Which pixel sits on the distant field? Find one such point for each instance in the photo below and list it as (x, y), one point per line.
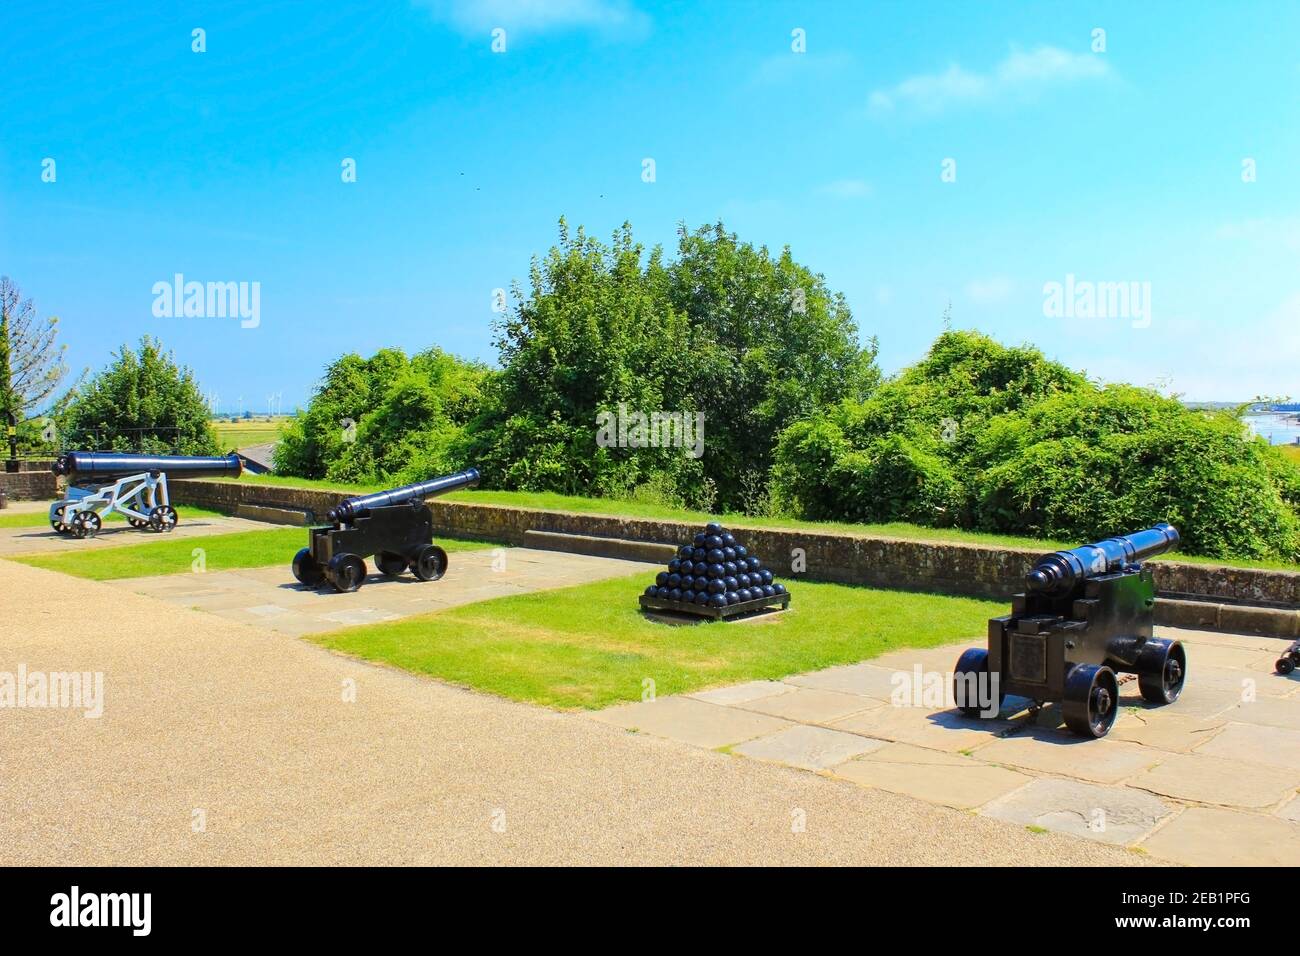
(1292, 452)
(245, 432)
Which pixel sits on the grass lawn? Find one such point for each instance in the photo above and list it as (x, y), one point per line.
(242, 433)
(222, 552)
(40, 519)
(638, 509)
(1292, 452)
(589, 646)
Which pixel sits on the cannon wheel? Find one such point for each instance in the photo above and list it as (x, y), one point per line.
(1285, 665)
(86, 524)
(1091, 700)
(974, 661)
(57, 521)
(346, 572)
(306, 569)
(390, 564)
(1162, 669)
(163, 518)
(429, 562)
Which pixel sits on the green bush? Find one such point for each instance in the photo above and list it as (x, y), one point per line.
(386, 418)
(142, 402)
(998, 439)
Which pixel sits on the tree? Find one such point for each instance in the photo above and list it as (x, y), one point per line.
(31, 360)
(749, 340)
(386, 418)
(769, 343)
(142, 402)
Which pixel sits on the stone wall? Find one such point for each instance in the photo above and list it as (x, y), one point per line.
(30, 485)
(943, 566)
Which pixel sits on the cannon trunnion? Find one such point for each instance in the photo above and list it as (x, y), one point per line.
(395, 526)
(1086, 615)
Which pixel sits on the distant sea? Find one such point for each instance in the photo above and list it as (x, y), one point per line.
(1276, 429)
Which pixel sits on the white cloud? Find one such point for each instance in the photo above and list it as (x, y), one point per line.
(482, 16)
(1019, 75)
(990, 291)
(847, 189)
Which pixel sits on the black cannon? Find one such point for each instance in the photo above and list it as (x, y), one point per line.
(135, 486)
(1086, 614)
(1290, 657)
(396, 526)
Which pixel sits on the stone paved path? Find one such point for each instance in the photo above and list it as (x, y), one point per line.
(1211, 779)
(226, 743)
(45, 539)
(271, 598)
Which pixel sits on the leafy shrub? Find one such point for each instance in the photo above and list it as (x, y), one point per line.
(142, 402)
(1003, 440)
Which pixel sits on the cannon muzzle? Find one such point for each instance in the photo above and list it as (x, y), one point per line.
(1059, 572)
(104, 465)
(354, 508)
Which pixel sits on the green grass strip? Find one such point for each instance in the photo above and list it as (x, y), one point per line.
(590, 646)
(219, 552)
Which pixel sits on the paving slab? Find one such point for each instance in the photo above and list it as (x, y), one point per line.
(1120, 815)
(1220, 639)
(743, 693)
(1221, 655)
(690, 721)
(45, 540)
(942, 659)
(1242, 682)
(1201, 778)
(807, 705)
(809, 748)
(1062, 753)
(1267, 664)
(1256, 743)
(243, 594)
(946, 730)
(1198, 699)
(1271, 711)
(947, 779)
(1162, 729)
(865, 680)
(1209, 836)
(1291, 810)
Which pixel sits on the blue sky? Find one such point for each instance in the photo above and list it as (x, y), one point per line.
(1117, 166)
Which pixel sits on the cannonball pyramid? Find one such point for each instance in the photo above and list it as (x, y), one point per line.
(715, 576)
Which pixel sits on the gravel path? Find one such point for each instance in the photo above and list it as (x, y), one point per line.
(244, 734)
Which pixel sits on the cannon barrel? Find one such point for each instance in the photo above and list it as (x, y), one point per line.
(354, 508)
(105, 464)
(1060, 571)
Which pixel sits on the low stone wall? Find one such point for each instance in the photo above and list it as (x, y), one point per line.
(943, 566)
(29, 485)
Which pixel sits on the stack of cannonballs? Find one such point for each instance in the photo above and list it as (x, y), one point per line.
(714, 575)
